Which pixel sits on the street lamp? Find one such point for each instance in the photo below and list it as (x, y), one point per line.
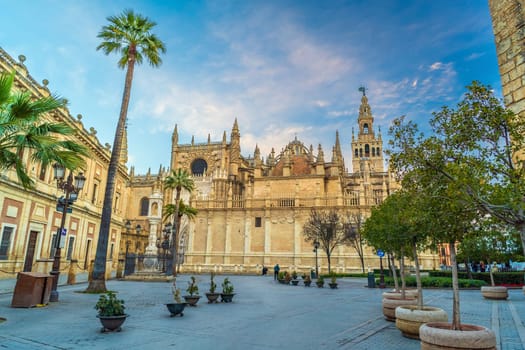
(165, 245)
(71, 191)
(316, 246)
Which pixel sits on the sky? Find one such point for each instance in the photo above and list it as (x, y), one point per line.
(283, 68)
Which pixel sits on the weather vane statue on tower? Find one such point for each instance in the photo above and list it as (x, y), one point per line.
(363, 89)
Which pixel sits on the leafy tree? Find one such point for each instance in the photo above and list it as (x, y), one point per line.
(22, 127)
(465, 167)
(325, 227)
(128, 35)
(179, 179)
(353, 226)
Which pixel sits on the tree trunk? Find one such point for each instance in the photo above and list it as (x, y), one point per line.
(418, 277)
(402, 273)
(175, 240)
(521, 229)
(392, 264)
(328, 259)
(361, 257)
(98, 280)
(469, 271)
(456, 321)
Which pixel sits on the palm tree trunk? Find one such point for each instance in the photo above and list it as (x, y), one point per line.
(456, 321)
(98, 280)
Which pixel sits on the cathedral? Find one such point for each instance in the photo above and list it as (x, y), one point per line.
(251, 208)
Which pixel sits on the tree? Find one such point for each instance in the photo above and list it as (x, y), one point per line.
(466, 169)
(184, 210)
(325, 227)
(22, 127)
(179, 179)
(353, 225)
(129, 35)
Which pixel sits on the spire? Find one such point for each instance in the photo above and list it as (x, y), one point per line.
(235, 127)
(175, 136)
(192, 140)
(209, 139)
(320, 154)
(224, 137)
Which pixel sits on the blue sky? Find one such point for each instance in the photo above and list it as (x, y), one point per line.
(283, 68)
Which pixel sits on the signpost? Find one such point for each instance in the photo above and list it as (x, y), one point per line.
(381, 254)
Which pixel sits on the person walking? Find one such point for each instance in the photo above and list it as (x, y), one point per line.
(276, 269)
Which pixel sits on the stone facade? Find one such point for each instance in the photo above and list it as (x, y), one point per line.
(508, 22)
(28, 218)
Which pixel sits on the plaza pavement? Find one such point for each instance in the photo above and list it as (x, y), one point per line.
(263, 315)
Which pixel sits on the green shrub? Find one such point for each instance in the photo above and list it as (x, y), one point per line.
(499, 277)
(437, 282)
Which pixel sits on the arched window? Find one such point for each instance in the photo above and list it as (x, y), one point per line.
(365, 128)
(199, 166)
(360, 152)
(373, 152)
(367, 150)
(378, 152)
(144, 206)
(356, 152)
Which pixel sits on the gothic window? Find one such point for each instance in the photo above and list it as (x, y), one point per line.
(356, 152)
(144, 206)
(367, 150)
(365, 128)
(373, 152)
(360, 152)
(5, 241)
(258, 221)
(378, 196)
(378, 152)
(199, 166)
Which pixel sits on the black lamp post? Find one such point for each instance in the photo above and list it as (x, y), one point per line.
(165, 245)
(316, 247)
(71, 191)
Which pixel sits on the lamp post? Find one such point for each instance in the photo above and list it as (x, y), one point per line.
(381, 254)
(71, 191)
(167, 246)
(316, 246)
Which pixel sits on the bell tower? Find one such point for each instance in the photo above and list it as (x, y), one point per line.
(367, 147)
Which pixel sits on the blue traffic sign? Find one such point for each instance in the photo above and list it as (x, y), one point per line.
(380, 253)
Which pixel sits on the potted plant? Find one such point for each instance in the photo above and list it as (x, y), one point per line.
(295, 281)
(280, 277)
(110, 312)
(320, 282)
(227, 291)
(178, 306)
(212, 295)
(307, 280)
(333, 281)
(287, 277)
(193, 292)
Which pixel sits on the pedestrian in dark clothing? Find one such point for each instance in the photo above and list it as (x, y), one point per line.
(276, 269)
(264, 270)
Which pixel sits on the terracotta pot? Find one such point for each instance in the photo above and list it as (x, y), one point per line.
(438, 335)
(409, 294)
(111, 323)
(192, 300)
(494, 292)
(213, 297)
(389, 307)
(409, 318)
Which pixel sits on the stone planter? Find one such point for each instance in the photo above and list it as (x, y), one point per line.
(333, 285)
(295, 282)
(307, 284)
(438, 335)
(409, 318)
(389, 307)
(494, 292)
(111, 323)
(409, 294)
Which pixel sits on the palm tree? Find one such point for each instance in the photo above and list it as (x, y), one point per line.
(22, 127)
(184, 210)
(179, 179)
(128, 35)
